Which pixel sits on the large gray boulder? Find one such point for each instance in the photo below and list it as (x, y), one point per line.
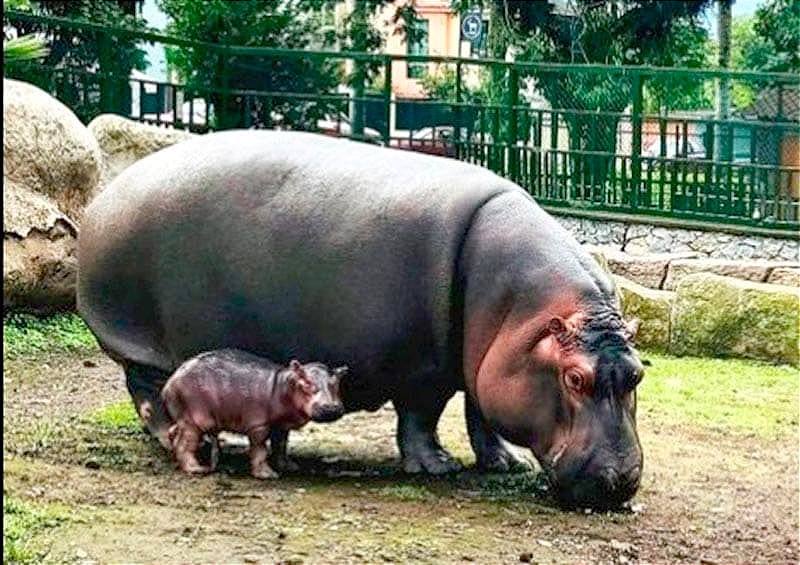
(756, 271)
(51, 169)
(123, 142)
(648, 270)
(652, 307)
(718, 316)
(46, 148)
(788, 276)
(39, 251)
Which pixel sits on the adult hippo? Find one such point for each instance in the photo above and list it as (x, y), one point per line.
(424, 275)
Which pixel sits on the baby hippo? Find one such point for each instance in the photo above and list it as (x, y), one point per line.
(233, 391)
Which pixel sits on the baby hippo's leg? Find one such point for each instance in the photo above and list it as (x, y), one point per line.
(259, 467)
(186, 441)
(278, 457)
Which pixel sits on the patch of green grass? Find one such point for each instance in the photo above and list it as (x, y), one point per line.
(745, 396)
(26, 334)
(407, 492)
(118, 417)
(23, 523)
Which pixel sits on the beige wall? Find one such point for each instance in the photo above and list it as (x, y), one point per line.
(443, 36)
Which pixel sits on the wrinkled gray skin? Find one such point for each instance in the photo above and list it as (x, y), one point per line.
(424, 275)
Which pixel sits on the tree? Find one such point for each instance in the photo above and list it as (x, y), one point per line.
(622, 32)
(87, 71)
(293, 24)
(778, 50)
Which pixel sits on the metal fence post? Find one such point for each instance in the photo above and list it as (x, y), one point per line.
(458, 129)
(387, 99)
(358, 99)
(513, 100)
(106, 79)
(224, 73)
(636, 141)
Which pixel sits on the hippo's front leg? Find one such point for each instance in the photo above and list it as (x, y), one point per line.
(491, 454)
(417, 438)
(259, 467)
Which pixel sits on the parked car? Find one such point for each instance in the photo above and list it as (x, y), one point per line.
(339, 125)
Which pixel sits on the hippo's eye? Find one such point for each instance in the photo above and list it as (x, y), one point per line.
(574, 381)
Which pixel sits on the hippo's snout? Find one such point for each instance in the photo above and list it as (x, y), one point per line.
(603, 489)
(327, 412)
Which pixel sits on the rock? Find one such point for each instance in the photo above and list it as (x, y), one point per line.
(788, 276)
(648, 270)
(652, 307)
(720, 316)
(39, 251)
(123, 142)
(47, 149)
(756, 271)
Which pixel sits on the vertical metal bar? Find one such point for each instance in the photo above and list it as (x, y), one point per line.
(497, 159)
(636, 141)
(222, 112)
(106, 82)
(458, 129)
(513, 100)
(387, 99)
(174, 106)
(141, 101)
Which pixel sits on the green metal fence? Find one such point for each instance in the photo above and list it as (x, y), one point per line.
(589, 140)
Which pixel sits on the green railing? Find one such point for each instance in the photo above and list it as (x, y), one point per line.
(589, 140)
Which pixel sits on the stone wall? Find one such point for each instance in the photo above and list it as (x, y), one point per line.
(644, 238)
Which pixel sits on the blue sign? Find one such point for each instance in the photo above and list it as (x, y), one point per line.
(472, 26)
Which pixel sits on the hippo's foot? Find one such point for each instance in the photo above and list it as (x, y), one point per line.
(144, 385)
(432, 461)
(419, 444)
(491, 453)
(278, 459)
(263, 471)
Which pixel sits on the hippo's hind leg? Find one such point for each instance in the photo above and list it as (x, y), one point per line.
(144, 385)
(491, 453)
(417, 438)
(186, 443)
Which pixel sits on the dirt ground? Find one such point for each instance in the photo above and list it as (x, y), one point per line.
(708, 496)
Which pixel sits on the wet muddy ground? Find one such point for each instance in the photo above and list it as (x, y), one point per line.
(83, 483)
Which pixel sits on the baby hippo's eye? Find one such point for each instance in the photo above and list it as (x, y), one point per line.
(574, 381)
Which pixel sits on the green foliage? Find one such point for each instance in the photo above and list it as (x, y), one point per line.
(81, 55)
(776, 24)
(25, 334)
(295, 24)
(22, 523)
(25, 48)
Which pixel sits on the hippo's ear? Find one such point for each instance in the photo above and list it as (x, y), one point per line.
(557, 326)
(298, 370)
(631, 328)
(339, 372)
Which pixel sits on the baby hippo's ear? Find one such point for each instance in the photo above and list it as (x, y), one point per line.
(339, 372)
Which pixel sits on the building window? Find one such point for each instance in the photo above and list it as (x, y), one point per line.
(418, 47)
(477, 48)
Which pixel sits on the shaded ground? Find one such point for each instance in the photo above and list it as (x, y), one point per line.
(82, 483)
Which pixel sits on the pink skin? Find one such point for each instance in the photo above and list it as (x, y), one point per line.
(531, 382)
(283, 400)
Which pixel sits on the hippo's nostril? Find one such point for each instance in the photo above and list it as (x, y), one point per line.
(610, 479)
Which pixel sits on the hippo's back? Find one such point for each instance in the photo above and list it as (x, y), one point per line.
(283, 244)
